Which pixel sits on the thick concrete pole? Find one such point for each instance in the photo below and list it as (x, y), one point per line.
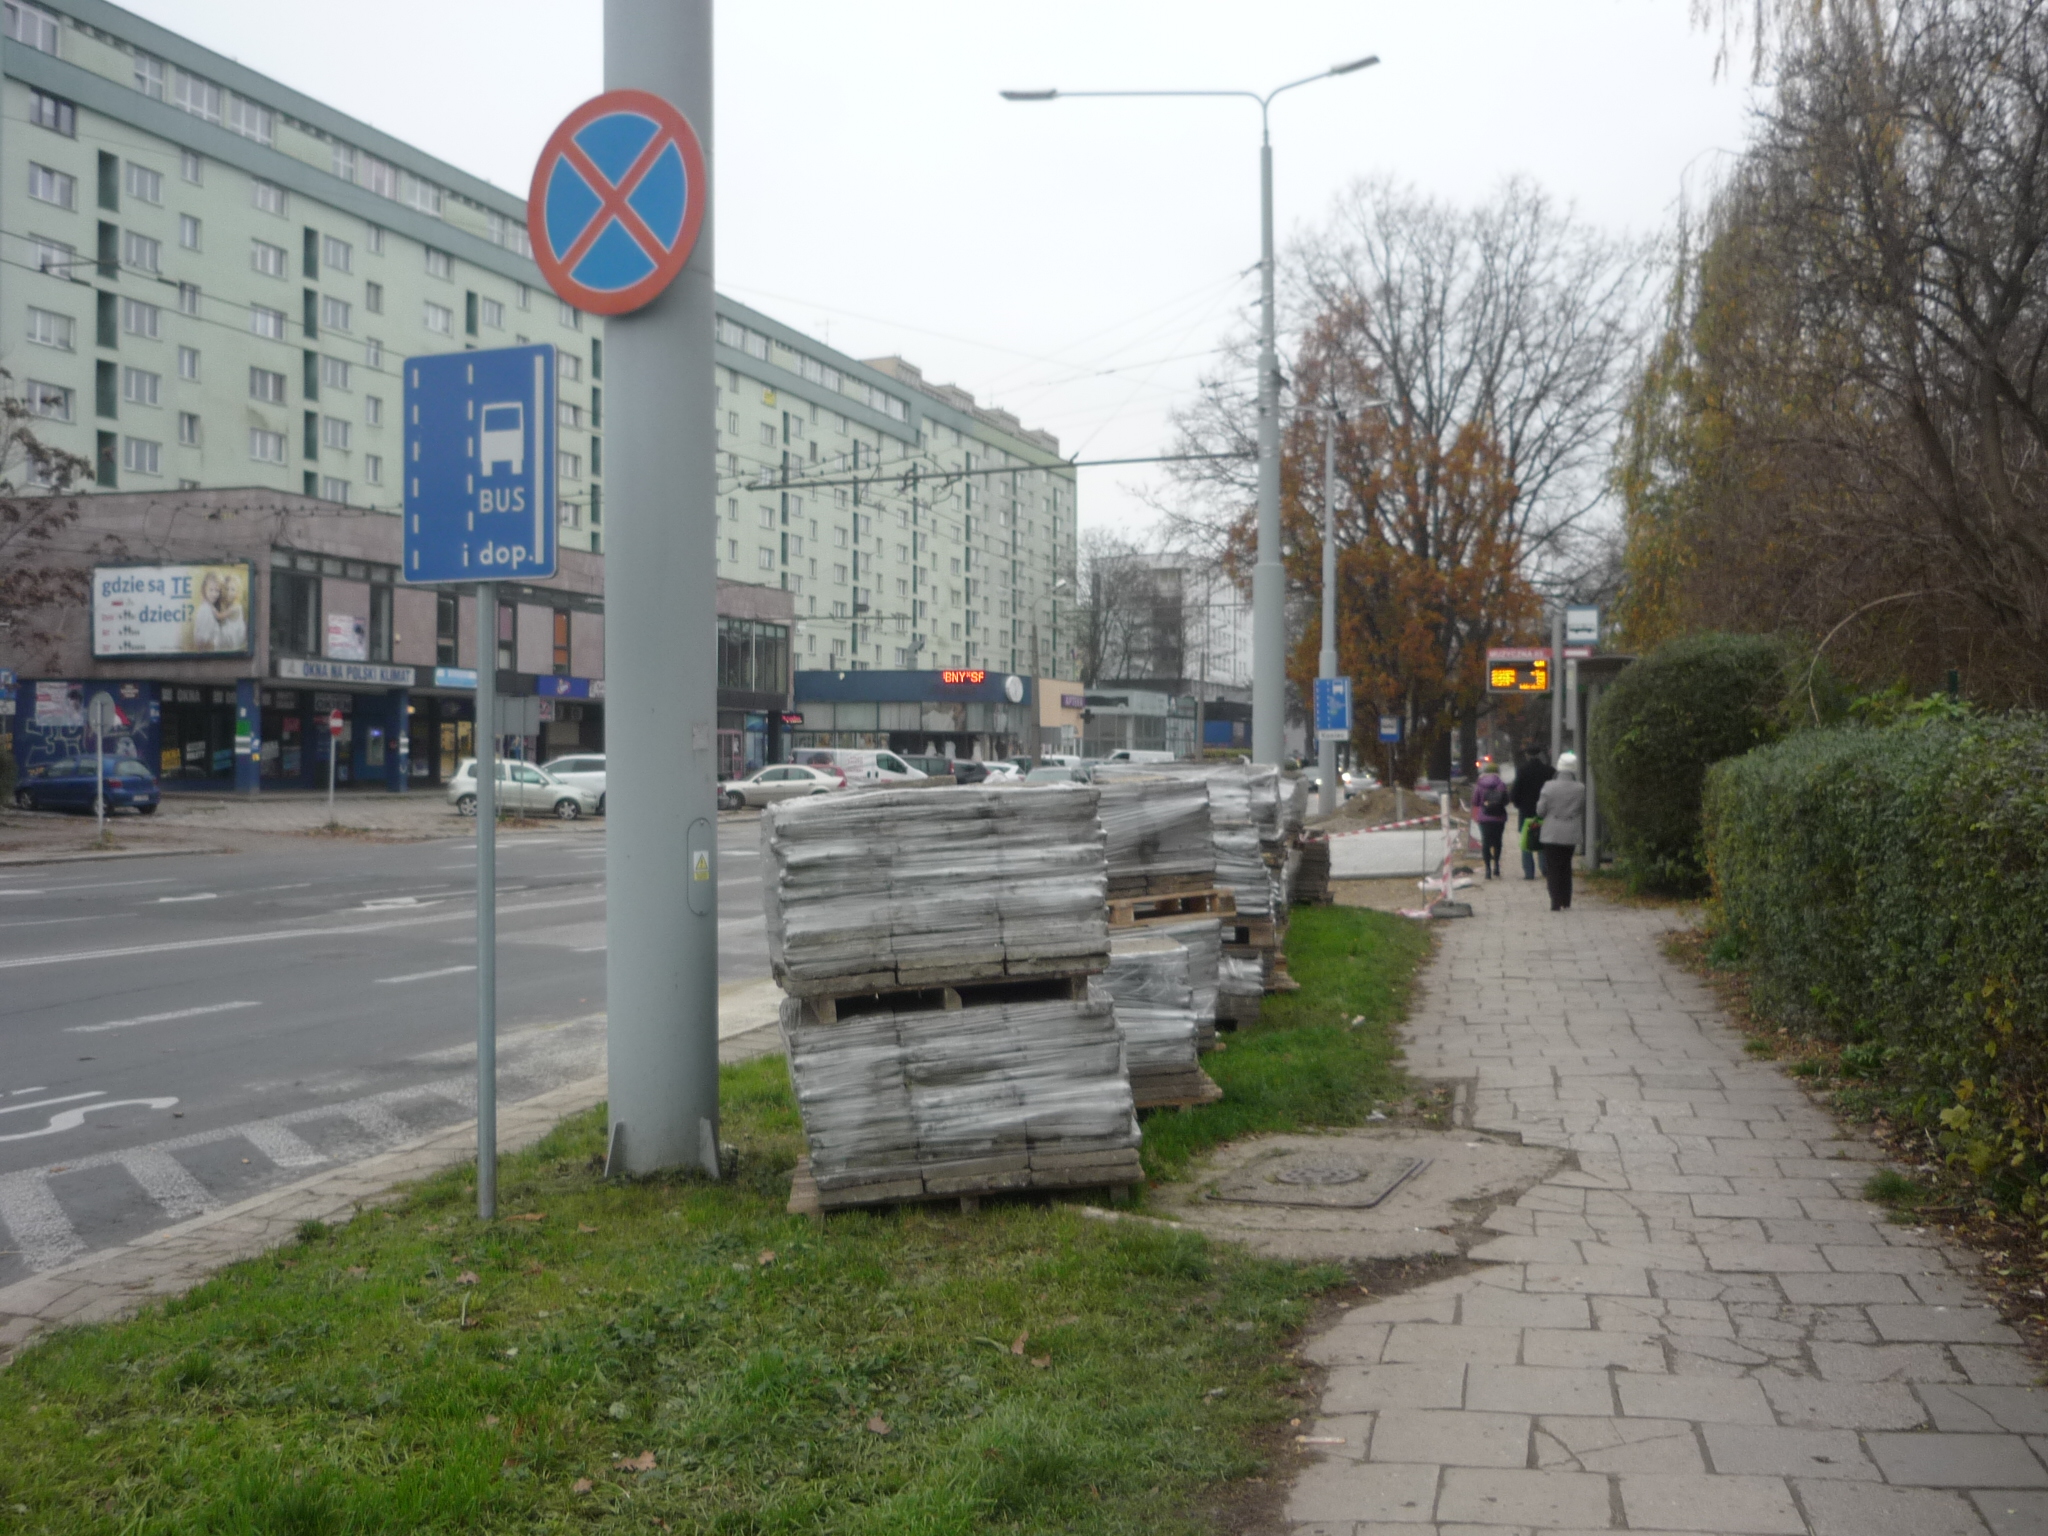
(661, 645)
(1269, 581)
(1326, 747)
(1556, 684)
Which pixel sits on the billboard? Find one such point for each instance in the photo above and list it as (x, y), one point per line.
(172, 610)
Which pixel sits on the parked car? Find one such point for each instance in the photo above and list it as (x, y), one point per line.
(585, 770)
(861, 765)
(523, 790)
(1003, 770)
(71, 785)
(931, 764)
(1140, 755)
(780, 781)
(1057, 774)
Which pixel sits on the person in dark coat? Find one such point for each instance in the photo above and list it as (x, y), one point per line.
(1490, 811)
(1562, 810)
(1530, 777)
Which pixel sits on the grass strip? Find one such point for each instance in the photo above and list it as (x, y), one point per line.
(667, 1353)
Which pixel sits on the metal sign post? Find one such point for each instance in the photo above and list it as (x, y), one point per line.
(334, 729)
(486, 732)
(1333, 724)
(620, 216)
(104, 717)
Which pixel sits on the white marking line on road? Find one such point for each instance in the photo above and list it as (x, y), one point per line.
(156, 1018)
(303, 885)
(195, 896)
(166, 1181)
(100, 885)
(17, 1093)
(44, 922)
(69, 1098)
(281, 1146)
(446, 970)
(72, 1119)
(24, 893)
(36, 1222)
(592, 949)
(270, 935)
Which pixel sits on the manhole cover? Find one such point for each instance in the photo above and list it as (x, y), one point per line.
(1351, 1183)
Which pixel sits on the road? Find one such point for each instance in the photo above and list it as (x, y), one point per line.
(179, 1033)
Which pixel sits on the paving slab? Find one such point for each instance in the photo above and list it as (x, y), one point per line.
(1692, 1322)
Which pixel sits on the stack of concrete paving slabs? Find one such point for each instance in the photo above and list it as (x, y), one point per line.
(905, 889)
(1158, 834)
(1311, 883)
(1202, 937)
(1147, 980)
(910, 1105)
(1240, 983)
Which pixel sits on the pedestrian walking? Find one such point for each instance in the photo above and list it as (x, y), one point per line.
(1561, 807)
(1490, 810)
(1535, 772)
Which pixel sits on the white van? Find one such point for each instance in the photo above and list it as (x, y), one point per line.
(1139, 755)
(860, 765)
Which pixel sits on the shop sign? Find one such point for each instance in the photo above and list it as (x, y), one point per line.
(455, 677)
(569, 687)
(345, 672)
(171, 610)
(1073, 701)
(792, 717)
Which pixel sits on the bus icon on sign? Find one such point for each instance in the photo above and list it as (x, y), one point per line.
(503, 440)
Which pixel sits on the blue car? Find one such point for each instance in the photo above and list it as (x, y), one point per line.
(69, 785)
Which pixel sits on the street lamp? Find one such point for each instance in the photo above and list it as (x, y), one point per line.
(1269, 581)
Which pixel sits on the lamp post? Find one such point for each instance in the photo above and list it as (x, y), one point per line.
(1269, 581)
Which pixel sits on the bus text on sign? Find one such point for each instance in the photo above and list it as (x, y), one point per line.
(1518, 669)
(976, 675)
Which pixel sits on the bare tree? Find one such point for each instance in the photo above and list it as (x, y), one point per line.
(1131, 611)
(36, 510)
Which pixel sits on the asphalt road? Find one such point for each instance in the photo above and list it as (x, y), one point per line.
(179, 1033)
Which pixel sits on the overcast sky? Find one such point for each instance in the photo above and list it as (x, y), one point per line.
(1075, 262)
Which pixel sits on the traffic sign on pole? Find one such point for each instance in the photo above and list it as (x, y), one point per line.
(480, 465)
(334, 723)
(1390, 730)
(1333, 707)
(617, 200)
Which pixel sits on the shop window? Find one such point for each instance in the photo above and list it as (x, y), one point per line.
(294, 614)
(447, 613)
(561, 643)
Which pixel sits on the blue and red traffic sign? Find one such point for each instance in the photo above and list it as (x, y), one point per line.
(617, 200)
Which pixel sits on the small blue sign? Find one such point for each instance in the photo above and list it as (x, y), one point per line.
(480, 465)
(1390, 730)
(1333, 706)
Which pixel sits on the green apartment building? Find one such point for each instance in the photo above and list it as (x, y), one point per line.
(210, 281)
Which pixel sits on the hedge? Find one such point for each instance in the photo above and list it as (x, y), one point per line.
(1889, 889)
(1659, 726)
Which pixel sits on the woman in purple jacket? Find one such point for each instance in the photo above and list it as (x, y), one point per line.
(1490, 810)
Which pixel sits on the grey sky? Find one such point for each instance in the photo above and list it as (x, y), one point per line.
(1076, 262)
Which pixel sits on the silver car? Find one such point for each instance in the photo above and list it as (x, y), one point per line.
(583, 769)
(782, 781)
(523, 790)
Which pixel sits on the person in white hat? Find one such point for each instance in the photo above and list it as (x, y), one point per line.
(1562, 807)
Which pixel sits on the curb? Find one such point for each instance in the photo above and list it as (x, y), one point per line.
(18, 860)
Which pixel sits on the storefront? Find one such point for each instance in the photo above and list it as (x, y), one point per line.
(964, 713)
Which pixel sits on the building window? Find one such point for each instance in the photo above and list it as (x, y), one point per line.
(140, 387)
(338, 254)
(32, 25)
(373, 298)
(765, 558)
(767, 517)
(332, 489)
(250, 120)
(50, 401)
(266, 386)
(266, 322)
(333, 373)
(561, 657)
(53, 113)
(373, 353)
(493, 314)
(572, 317)
(334, 433)
(380, 593)
(188, 429)
(373, 239)
(190, 166)
(141, 456)
(373, 468)
(48, 186)
(335, 313)
(142, 253)
(571, 413)
(732, 550)
(144, 184)
(52, 256)
(140, 319)
(266, 447)
(294, 611)
(268, 196)
(270, 260)
(507, 629)
(447, 622)
(51, 330)
(188, 298)
(440, 319)
(373, 410)
(525, 297)
(188, 232)
(568, 466)
(569, 366)
(439, 263)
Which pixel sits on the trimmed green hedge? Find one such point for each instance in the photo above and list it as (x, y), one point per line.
(1889, 889)
(1660, 725)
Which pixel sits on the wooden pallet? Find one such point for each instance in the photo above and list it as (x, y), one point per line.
(1136, 911)
(1232, 1010)
(1208, 1091)
(1253, 932)
(1159, 885)
(805, 1198)
(948, 997)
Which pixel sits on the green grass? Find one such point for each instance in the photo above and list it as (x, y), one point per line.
(1888, 1187)
(1024, 1368)
(1303, 1064)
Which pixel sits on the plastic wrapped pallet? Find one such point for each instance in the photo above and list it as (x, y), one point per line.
(922, 888)
(1147, 980)
(909, 1105)
(1239, 795)
(1201, 935)
(1157, 831)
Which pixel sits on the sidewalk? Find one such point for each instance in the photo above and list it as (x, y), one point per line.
(1702, 1328)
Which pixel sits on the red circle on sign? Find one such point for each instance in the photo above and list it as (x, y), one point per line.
(671, 127)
